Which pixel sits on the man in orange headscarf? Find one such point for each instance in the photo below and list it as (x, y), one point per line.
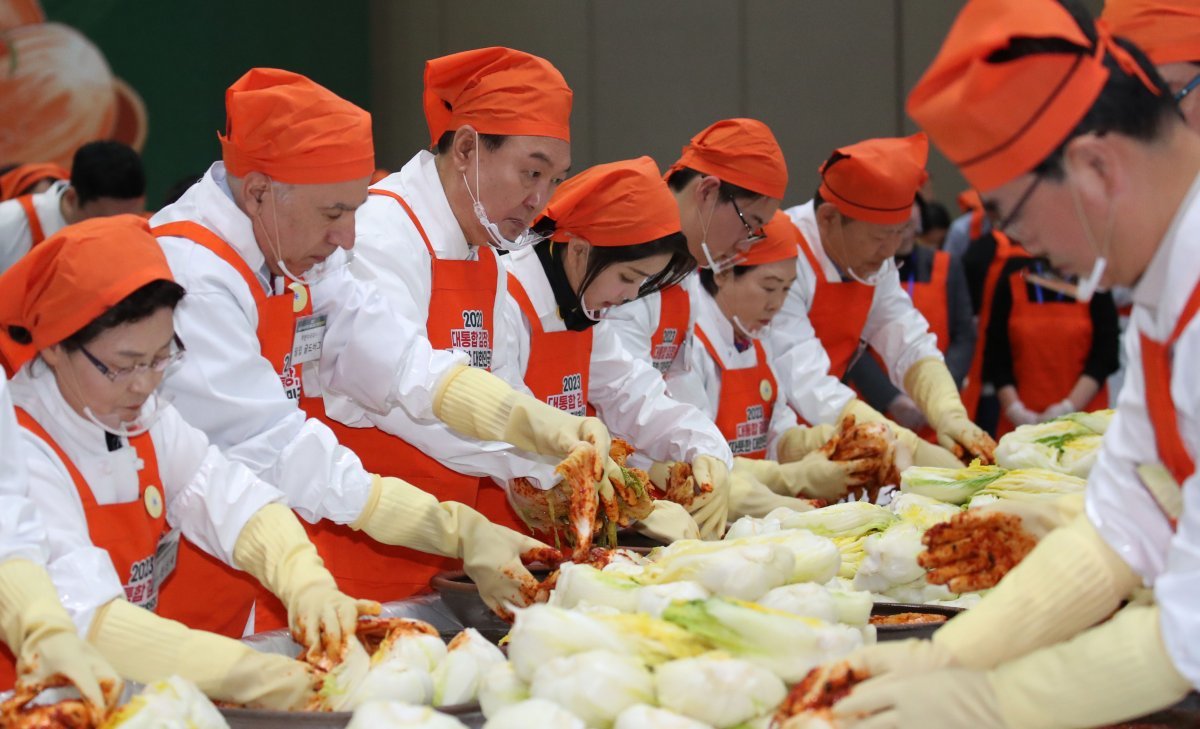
(848, 291)
(1168, 31)
(1078, 151)
(261, 244)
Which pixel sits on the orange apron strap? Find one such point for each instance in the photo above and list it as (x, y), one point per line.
(941, 269)
(411, 216)
(1156, 365)
(522, 298)
(812, 257)
(976, 226)
(712, 351)
(37, 233)
(27, 422)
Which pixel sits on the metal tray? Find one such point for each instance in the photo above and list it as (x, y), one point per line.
(468, 714)
(904, 632)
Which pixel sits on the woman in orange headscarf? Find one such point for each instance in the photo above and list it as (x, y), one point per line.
(87, 325)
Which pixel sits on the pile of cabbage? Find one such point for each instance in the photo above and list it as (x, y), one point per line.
(1068, 445)
(716, 662)
(411, 667)
(978, 485)
(168, 703)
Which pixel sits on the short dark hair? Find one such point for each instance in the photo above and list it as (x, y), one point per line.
(708, 279)
(141, 304)
(491, 141)
(679, 179)
(107, 169)
(934, 215)
(1125, 105)
(601, 257)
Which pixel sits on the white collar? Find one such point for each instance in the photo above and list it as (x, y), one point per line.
(421, 187)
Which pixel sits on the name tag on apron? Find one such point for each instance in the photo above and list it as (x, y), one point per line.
(309, 336)
(165, 557)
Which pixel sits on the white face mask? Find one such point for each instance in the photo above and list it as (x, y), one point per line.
(1088, 287)
(760, 333)
(317, 273)
(524, 240)
(150, 413)
(869, 280)
(712, 264)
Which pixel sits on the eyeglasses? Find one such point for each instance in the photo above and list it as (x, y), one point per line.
(1006, 225)
(752, 235)
(125, 374)
(1191, 85)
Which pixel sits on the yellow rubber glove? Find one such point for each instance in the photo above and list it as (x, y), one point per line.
(750, 497)
(947, 699)
(146, 648)
(400, 513)
(1114, 672)
(932, 388)
(275, 549)
(801, 440)
(711, 510)
(41, 635)
(668, 522)
(1070, 581)
(483, 406)
(923, 452)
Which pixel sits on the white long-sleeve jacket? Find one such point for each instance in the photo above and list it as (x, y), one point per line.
(699, 384)
(629, 394)
(228, 390)
(894, 328)
(207, 497)
(22, 534)
(16, 235)
(391, 255)
(1118, 506)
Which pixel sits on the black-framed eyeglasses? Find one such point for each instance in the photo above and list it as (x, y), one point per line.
(1005, 225)
(1191, 86)
(124, 374)
(752, 235)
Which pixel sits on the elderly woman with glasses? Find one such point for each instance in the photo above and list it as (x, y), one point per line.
(86, 326)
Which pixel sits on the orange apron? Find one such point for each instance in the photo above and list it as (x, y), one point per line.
(131, 532)
(838, 314)
(208, 594)
(1157, 360)
(675, 309)
(932, 298)
(36, 231)
(461, 307)
(1050, 342)
(747, 401)
(1006, 249)
(975, 229)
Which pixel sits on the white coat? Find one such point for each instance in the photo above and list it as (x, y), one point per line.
(16, 236)
(228, 390)
(207, 497)
(638, 320)
(894, 328)
(628, 393)
(700, 383)
(1125, 514)
(391, 255)
(22, 534)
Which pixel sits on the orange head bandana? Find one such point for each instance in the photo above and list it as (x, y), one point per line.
(615, 204)
(73, 277)
(876, 181)
(295, 130)
(968, 200)
(16, 181)
(1168, 31)
(999, 120)
(782, 242)
(497, 91)
(742, 152)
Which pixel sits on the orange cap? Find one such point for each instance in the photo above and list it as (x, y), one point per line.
(969, 200)
(615, 204)
(782, 242)
(999, 120)
(1168, 31)
(876, 181)
(16, 181)
(295, 130)
(742, 152)
(497, 91)
(73, 277)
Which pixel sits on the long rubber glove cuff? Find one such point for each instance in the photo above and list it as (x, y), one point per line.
(749, 497)
(767, 473)
(798, 442)
(931, 386)
(1069, 582)
(1107, 675)
(275, 549)
(668, 522)
(146, 648)
(924, 452)
(399, 513)
(29, 605)
(486, 407)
